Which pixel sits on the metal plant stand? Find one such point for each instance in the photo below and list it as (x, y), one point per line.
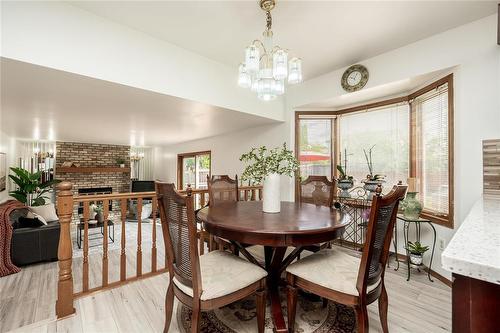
(358, 207)
(407, 222)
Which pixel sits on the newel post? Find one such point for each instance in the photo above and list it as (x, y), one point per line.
(64, 303)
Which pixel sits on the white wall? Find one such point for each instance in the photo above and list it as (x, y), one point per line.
(225, 152)
(7, 146)
(61, 36)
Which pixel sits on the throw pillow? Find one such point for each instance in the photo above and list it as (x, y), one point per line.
(47, 212)
(25, 222)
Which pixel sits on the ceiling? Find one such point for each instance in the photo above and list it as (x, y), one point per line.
(46, 104)
(327, 35)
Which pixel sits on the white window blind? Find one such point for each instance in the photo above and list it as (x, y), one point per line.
(431, 134)
(386, 129)
(315, 143)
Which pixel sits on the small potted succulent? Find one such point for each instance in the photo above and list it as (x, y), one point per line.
(121, 162)
(416, 251)
(99, 216)
(372, 180)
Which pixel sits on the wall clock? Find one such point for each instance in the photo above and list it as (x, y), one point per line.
(354, 78)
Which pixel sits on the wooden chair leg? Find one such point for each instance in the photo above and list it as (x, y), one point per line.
(325, 302)
(196, 317)
(291, 301)
(382, 309)
(261, 309)
(362, 318)
(169, 305)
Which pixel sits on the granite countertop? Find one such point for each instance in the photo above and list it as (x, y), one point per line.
(474, 250)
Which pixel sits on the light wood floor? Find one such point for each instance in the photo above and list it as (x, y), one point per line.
(27, 301)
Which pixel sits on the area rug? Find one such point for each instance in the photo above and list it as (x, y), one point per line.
(240, 317)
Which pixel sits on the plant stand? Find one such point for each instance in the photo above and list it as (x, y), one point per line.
(407, 222)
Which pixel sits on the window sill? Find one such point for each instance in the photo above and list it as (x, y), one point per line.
(445, 221)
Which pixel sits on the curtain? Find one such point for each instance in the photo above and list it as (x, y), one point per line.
(142, 163)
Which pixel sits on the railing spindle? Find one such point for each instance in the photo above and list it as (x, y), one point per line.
(253, 195)
(105, 204)
(245, 194)
(123, 255)
(64, 303)
(202, 200)
(85, 279)
(153, 246)
(260, 193)
(139, 237)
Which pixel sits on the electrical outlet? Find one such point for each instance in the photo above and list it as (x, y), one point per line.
(442, 244)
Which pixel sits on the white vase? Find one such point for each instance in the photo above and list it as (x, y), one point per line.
(272, 200)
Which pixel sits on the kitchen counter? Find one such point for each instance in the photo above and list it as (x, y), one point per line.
(474, 250)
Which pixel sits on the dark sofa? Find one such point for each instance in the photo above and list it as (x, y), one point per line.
(32, 245)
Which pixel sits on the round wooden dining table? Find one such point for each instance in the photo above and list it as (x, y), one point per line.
(296, 225)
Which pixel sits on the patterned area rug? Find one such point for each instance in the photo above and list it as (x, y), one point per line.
(240, 317)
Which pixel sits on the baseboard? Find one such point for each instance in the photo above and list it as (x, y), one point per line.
(402, 257)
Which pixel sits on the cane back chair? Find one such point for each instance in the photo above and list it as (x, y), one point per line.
(202, 282)
(346, 279)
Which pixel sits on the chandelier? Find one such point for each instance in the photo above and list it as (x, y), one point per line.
(266, 66)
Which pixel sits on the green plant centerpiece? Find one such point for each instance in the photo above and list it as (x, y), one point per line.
(264, 166)
(416, 251)
(31, 191)
(372, 180)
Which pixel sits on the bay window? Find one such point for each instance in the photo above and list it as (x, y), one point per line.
(411, 136)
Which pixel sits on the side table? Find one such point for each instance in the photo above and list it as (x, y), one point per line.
(407, 222)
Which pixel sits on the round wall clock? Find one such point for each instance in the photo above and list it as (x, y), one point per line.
(354, 78)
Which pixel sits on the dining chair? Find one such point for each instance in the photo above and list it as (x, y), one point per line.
(202, 282)
(317, 190)
(346, 279)
(222, 188)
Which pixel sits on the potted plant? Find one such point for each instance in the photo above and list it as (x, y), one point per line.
(416, 252)
(31, 191)
(345, 182)
(121, 162)
(99, 216)
(265, 167)
(372, 180)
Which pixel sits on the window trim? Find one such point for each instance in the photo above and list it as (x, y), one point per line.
(181, 156)
(444, 220)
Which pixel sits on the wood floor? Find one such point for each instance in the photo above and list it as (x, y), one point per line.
(27, 301)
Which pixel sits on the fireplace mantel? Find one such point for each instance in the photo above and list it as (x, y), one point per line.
(92, 169)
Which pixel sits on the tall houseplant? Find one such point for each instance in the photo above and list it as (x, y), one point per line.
(264, 166)
(31, 191)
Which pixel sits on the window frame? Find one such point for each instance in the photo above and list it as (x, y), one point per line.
(180, 158)
(442, 219)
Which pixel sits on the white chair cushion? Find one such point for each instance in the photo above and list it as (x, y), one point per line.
(332, 269)
(223, 273)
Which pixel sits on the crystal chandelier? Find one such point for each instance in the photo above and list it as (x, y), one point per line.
(266, 66)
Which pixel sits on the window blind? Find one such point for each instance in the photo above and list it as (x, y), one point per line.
(431, 135)
(386, 129)
(315, 147)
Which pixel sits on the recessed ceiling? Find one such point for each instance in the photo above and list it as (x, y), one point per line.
(46, 104)
(327, 35)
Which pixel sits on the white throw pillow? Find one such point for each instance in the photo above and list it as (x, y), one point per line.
(147, 209)
(47, 212)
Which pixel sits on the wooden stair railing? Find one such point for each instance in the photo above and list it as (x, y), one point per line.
(65, 204)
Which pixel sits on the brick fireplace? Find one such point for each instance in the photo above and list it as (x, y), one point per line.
(91, 155)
